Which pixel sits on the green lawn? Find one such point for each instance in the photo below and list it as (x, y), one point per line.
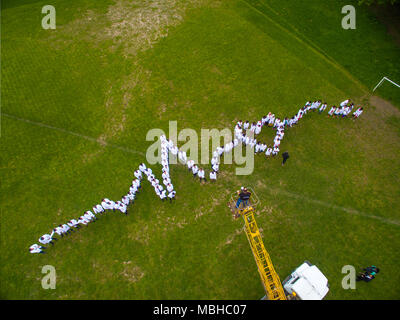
(205, 64)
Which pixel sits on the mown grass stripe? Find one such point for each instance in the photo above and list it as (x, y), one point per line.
(332, 206)
(102, 143)
(309, 46)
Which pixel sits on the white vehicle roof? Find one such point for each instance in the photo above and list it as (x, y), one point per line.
(312, 284)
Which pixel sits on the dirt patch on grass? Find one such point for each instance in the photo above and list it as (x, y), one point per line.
(230, 238)
(131, 272)
(385, 108)
(372, 133)
(133, 25)
(376, 116)
(100, 268)
(161, 109)
(143, 236)
(138, 25)
(214, 69)
(118, 102)
(267, 209)
(212, 205)
(88, 157)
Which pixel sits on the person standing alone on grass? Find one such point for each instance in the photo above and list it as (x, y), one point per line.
(285, 156)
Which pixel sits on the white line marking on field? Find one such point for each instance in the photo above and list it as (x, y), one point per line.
(333, 206)
(104, 144)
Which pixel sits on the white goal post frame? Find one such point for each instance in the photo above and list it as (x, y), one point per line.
(387, 79)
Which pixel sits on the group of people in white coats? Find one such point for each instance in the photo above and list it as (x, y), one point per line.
(245, 132)
(120, 205)
(242, 129)
(344, 110)
(167, 146)
(88, 217)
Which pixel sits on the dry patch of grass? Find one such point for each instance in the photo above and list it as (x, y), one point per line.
(384, 107)
(215, 202)
(138, 25)
(143, 236)
(102, 269)
(230, 238)
(131, 272)
(134, 26)
(381, 136)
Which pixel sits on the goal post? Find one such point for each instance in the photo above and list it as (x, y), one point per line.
(387, 79)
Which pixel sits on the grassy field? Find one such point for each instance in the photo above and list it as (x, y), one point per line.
(112, 70)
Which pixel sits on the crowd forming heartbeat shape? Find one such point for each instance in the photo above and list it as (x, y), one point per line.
(167, 146)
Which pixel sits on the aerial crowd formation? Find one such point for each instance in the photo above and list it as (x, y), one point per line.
(244, 134)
